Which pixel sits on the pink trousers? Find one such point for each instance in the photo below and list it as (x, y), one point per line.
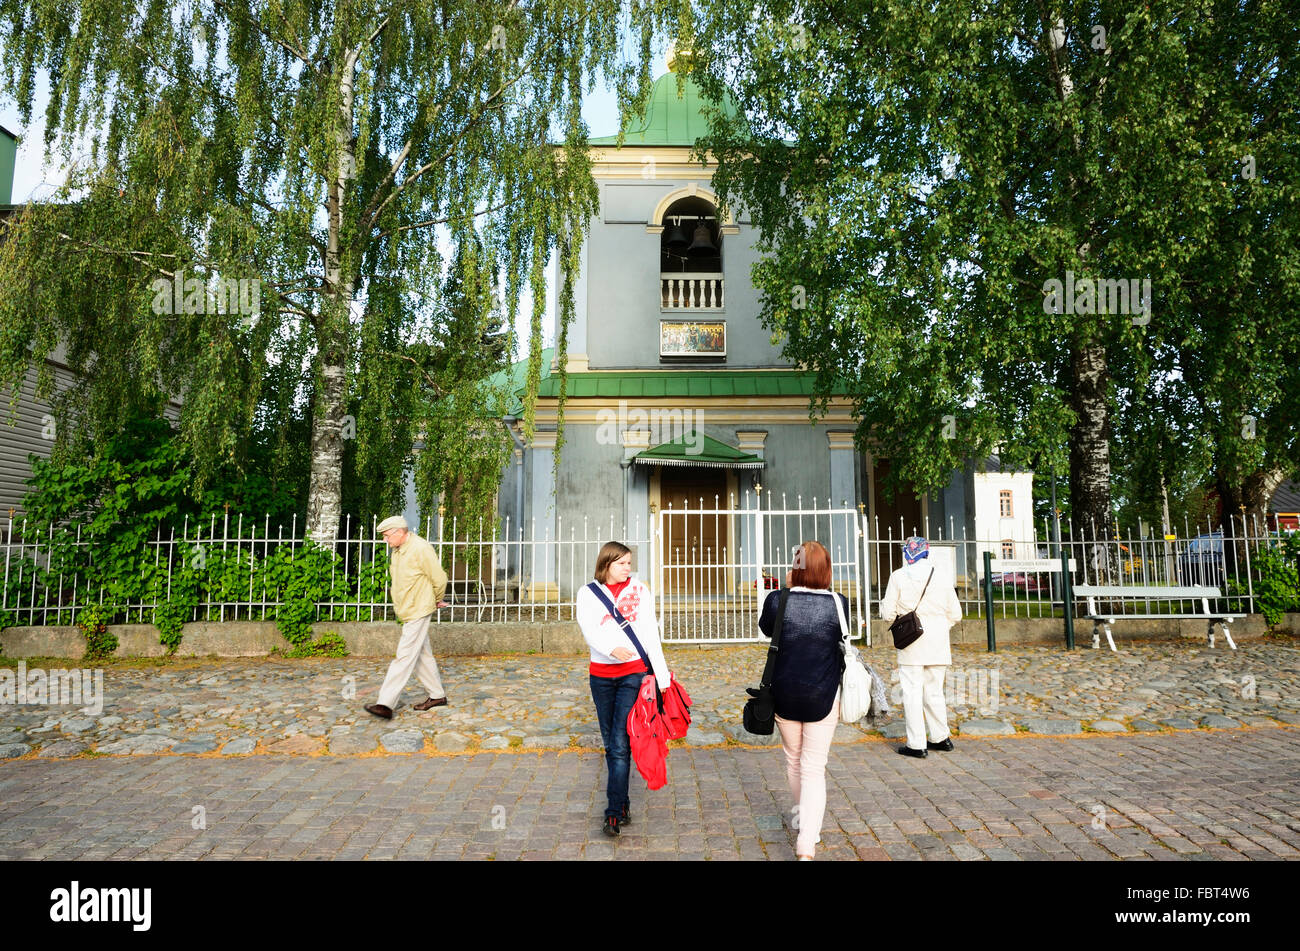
(807, 746)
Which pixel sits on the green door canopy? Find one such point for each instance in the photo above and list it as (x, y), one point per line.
(697, 449)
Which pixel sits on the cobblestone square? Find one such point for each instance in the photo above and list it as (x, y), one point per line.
(1167, 794)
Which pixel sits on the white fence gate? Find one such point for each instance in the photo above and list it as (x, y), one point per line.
(714, 566)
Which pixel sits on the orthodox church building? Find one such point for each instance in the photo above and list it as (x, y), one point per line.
(677, 398)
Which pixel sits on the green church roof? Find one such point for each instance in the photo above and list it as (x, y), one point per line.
(515, 379)
(649, 384)
(671, 118)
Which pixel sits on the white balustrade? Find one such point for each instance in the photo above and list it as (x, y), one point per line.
(690, 291)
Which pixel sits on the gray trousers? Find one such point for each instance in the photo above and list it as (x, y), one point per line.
(414, 656)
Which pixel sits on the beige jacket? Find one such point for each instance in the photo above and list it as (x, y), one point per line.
(418, 579)
(938, 612)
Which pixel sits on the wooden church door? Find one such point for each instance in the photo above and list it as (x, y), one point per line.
(695, 546)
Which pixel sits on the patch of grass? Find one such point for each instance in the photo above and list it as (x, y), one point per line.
(329, 644)
(47, 663)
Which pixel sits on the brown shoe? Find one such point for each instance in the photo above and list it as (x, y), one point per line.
(379, 710)
(431, 703)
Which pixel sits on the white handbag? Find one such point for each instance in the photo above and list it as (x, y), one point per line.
(855, 685)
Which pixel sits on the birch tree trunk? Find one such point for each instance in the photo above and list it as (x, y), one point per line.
(325, 491)
(324, 495)
(1090, 439)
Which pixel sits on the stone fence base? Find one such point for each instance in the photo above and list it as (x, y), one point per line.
(379, 638)
(260, 638)
(974, 632)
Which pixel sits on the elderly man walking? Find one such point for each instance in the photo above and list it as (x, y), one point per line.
(418, 585)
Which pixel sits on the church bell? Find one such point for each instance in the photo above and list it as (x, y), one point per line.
(675, 239)
(703, 245)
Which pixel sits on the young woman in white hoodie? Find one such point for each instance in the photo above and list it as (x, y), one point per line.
(923, 663)
(616, 669)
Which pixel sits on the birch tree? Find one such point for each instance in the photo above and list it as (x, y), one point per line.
(338, 152)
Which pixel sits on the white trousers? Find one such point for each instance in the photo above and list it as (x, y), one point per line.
(807, 746)
(414, 656)
(923, 704)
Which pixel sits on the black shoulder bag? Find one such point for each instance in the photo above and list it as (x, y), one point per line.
(759, 716)
(907, 627)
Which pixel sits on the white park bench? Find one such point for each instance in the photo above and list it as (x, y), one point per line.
(1102, 620)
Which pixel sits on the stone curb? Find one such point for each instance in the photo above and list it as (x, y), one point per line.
(573, 746)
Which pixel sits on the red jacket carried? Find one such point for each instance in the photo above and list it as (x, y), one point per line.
(677, 710)
(649, 730)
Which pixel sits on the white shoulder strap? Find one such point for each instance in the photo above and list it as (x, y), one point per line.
(839, 609)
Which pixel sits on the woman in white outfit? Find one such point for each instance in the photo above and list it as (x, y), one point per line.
(923, 663)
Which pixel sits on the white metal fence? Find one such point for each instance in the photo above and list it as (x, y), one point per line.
(1227, 557)
(709, 567)
(715, 566)
(239, 569)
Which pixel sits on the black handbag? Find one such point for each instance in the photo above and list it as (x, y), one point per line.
(759, 715)
(907, 627)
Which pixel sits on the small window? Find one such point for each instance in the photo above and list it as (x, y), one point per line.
(1008, 548)
(1004, 503)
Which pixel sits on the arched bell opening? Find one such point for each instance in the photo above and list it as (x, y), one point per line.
(690, 256)
(691, 241)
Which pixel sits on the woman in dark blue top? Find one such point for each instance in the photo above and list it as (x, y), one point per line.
(806, 683)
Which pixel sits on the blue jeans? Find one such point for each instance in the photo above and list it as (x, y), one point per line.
(614, 697)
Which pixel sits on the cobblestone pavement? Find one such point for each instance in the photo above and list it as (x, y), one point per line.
(1224, 794)
(236, 707)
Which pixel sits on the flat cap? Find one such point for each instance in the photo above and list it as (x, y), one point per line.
(392, 522)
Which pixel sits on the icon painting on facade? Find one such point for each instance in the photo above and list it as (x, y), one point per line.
(690, 338)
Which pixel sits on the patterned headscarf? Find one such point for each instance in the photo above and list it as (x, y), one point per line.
(915, 548)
